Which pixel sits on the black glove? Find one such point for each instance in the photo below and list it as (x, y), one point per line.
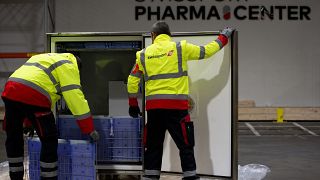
(227, 32)
(94, 136)
(134, 111)
(28, 131)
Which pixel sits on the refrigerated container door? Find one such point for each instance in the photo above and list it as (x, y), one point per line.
(213, 92)
(107, 60)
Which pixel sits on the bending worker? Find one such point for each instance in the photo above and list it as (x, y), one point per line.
(30, 93)
(164, 68)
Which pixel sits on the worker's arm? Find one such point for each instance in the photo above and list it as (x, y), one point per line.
(69, 79)
(202, 52)
(133, 90)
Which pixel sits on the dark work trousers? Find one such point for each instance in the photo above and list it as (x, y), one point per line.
(178, 124)
(43, 121)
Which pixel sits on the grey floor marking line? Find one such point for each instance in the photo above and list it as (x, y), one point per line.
(305, 129)
(252, 129)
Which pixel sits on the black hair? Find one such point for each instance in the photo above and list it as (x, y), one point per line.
(161, 27)
(78, 61)
(76, 55)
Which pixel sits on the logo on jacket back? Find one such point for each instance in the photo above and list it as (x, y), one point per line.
(161, 55)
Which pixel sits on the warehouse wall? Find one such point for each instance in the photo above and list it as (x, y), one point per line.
(278, 59)
(21, 30)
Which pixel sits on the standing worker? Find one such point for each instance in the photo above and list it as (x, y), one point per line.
(164, 67)
(31, 93)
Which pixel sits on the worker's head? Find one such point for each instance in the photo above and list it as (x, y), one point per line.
(160, 27)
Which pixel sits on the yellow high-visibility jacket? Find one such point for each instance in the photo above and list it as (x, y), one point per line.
(164, 68)
(51, 75)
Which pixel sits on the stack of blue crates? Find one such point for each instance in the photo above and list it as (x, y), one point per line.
(76, 160)
(120, 137)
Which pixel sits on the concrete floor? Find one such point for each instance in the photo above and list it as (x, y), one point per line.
(291, 150)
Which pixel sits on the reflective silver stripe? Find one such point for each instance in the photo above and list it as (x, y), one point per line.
(57, 64)
(143, 62)
(83, 116)
(48, 165)
(189, 173)
(32, 85)
(52, 68)
(202, 52)
(49, 174)
(169, 75)
(15, 160)
(49, 70)
(35, 64)
(167, 96)
(179, 51)
(16, 169)
(133, 95)
(70, 87)
(219, 42)
(152, 172)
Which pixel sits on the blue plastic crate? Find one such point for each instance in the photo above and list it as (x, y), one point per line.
(126, 143)
(34, 175)
(124, 140)
(69, 129)
(126, 154)
(122, 133)
(76, 158)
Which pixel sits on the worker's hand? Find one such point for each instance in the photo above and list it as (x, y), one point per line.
(134, 111)
(94, 136)
(227, 32)
(28, 131)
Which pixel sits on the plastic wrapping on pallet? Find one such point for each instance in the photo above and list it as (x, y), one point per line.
(252, 172)
(76, 159)
(4, 169)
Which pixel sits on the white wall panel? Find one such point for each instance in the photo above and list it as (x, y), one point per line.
(210, 89)
(278, 59)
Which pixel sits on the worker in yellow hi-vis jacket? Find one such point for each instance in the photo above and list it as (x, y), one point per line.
(31, 93)
(164, 68)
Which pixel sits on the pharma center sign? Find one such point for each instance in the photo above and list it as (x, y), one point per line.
(217, 10)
